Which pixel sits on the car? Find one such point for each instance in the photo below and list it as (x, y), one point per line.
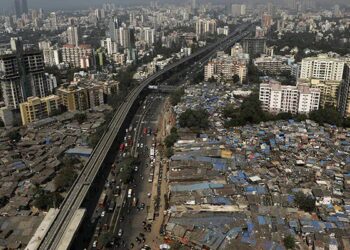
(142, 206)
(149, 195)
(141, 146)
(136, 168)
(94, 244)
(120, 232)
(103, 213)
(150, 180)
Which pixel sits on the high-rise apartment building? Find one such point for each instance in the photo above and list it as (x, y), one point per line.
(266, 21)
(22, 76)
(224, 67)
(81, 56)
(194, 6)
(322, 67)
(344, 93)
(254, 46)
(50, 53)
(205, 26)
(36, 108)
(276, 98)
(72, 36)
(238, 10)
(21, 6)
(110, 46)
(126, 37)
(324, 73)
(149, 35)
(79, 97)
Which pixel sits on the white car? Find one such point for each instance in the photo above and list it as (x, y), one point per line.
(103, 213)
(150, 180)
(141, 145)
(120, 232)
(136, 168)
(94, 244)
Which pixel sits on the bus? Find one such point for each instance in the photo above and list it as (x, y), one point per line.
(102, 200)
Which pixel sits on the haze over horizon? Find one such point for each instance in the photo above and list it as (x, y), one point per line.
(75, 4)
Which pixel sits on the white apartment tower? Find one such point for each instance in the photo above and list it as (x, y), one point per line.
(276, 98)
(72, 36)
(322, 68)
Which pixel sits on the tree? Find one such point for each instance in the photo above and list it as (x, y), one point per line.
(69, 161)
(65, 178)
(250, 111)
(346, 123)
(128, 169)
(289, 242)
(45, 200)
(96, 136)
(177, 246)
(198, 77)
(14, 135)
(175, 97)
(235, 78)
(172, 138)
(169, 152)
(327, 115)
(80, 117)
(304, 202)
(194, 119)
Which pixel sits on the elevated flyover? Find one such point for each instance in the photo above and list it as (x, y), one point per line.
(85, 179)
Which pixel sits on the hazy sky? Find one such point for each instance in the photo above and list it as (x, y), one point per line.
(70, 4)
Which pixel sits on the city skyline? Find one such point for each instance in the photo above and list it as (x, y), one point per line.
(67, 5)
(221, 126)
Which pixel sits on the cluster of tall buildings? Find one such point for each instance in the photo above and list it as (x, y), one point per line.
(225, 67)
(238, 10)
(326, 79)
(72, 54)
(22, 75)
(122, 38)
(205, 26)
(21, 7)
(77, 96)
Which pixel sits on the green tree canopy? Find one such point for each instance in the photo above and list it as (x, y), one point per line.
(175, 97)
(289, 242)
(14, 135)
(304, 202)
(45, 200)
(194, 119)
(327, 115)
(65, 178)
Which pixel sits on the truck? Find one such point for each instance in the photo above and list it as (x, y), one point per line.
(102, 200)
